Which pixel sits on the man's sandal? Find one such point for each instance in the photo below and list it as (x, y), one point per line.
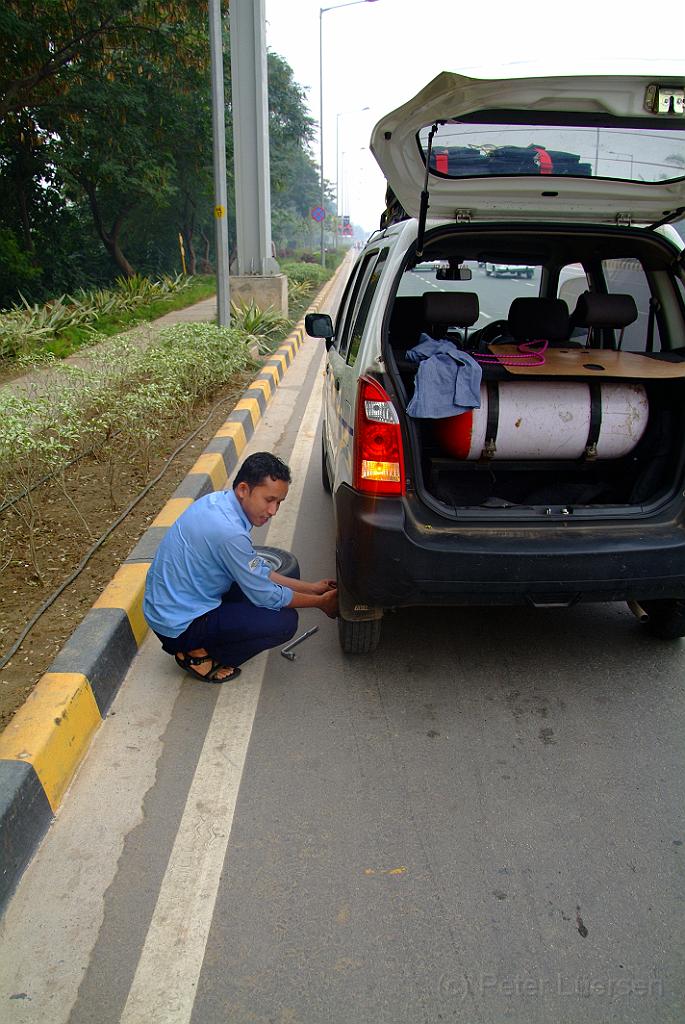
(187, 662)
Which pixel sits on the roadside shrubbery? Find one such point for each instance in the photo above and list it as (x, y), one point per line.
(28, 330)
(115, 409)
(263, 327)
(312, 273)
(131, 392)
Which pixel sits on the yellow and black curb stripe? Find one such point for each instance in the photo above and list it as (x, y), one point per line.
(48, 737)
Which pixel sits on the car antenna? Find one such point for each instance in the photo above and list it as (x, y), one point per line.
(423, 210)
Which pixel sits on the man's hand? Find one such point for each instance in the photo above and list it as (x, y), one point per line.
(323, 586)
(329, 603)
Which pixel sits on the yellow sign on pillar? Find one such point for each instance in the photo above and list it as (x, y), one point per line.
(219, 212)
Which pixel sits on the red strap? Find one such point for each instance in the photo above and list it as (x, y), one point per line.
(441, 163)
(544, 160)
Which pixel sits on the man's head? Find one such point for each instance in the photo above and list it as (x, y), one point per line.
(260, 486)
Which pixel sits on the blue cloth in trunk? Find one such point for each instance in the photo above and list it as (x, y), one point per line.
(447, 381)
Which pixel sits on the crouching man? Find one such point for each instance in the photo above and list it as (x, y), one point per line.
(209, 597)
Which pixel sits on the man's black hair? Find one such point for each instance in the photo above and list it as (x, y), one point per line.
(256, 468)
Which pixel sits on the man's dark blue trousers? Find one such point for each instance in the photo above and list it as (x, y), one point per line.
(235, 631)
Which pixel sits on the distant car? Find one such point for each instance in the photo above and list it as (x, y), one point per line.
(508, 270)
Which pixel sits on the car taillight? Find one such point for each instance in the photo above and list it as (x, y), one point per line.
(378, 452)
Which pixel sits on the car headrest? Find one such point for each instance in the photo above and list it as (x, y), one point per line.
(593, 310)
(539, 318)
(452, 309)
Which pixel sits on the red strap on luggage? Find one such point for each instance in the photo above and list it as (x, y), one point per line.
(544, 160)
(441, 164)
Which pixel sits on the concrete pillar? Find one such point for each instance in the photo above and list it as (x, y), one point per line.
(255, 264)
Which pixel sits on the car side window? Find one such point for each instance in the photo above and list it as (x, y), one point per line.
(573, 281)
(627, 277)
(346, 299)
(364, 306)
(349, 309)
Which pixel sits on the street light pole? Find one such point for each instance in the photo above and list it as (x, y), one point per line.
(342, 113)
(322, 11)
(218, 131)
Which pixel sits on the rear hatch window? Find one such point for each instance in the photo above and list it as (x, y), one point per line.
(468, 148)
(590, 149)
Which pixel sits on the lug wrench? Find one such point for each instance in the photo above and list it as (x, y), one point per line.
(287, 651)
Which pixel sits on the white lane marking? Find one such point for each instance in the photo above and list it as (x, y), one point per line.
(53, 920)
(165, 983)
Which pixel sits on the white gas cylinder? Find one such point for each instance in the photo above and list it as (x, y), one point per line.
(543, 420)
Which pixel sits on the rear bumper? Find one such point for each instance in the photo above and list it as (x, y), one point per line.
(387, 557)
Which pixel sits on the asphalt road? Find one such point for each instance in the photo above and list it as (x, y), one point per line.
(480, 823)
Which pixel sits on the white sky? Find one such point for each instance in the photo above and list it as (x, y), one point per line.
(378, 54)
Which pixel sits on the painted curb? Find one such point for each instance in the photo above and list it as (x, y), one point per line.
(48, 737)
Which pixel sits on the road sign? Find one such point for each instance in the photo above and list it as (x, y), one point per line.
(318, 213)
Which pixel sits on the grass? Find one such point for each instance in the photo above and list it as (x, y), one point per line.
(73, 338)
(30, 334)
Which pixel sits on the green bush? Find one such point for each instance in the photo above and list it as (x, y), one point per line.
(265, 327)
(313, 273)
(133, 394)
(57, 326)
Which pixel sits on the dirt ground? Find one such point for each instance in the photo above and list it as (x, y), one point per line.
(63, 538)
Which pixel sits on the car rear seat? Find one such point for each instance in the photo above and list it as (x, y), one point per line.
(445, 310)
(538, 319)
(440, 311)
(602, 314)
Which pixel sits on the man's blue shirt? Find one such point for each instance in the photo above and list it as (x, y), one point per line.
(206, 550)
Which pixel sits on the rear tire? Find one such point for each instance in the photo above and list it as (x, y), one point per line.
(359, 637)
(666, 618)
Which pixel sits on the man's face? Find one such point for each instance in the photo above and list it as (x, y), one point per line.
(262, 501)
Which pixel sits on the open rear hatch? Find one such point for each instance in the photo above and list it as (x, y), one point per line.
(595, 149)
(590, 155)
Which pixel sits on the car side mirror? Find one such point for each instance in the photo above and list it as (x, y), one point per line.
(318, 325)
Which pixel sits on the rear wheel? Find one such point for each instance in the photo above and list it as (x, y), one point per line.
(359, 637)
(666, 618)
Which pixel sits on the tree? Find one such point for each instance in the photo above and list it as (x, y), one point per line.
(55, 36)
(107, 138)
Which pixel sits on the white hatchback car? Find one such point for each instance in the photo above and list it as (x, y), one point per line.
(485, 442)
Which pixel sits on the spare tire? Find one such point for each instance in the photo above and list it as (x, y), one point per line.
(280, 561)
